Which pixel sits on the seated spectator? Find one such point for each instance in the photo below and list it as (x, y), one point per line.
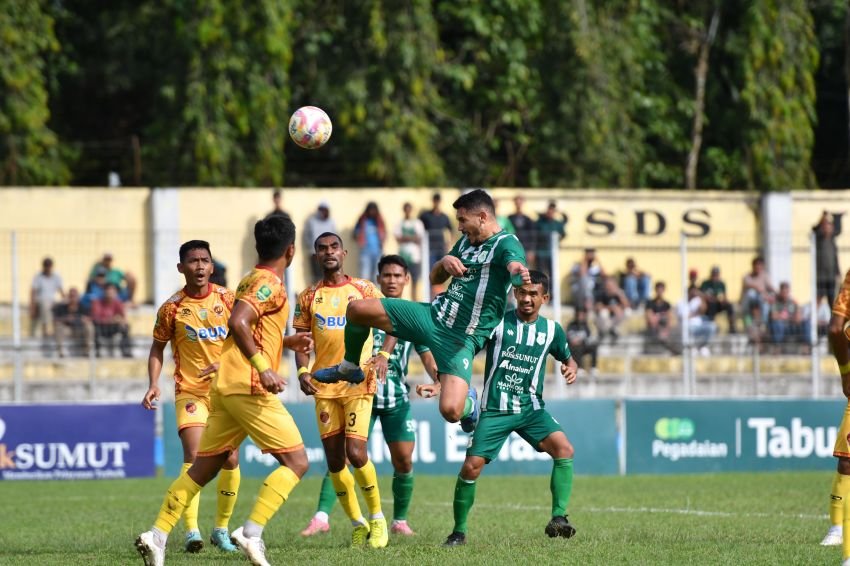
(700, 328)
(550, 222)
(611, 307)
(95, 288)
(586, 280)
(370, 233)
(659, 321)
(73, 322)
(582, 341)
(692, 278)
(713, 292)
(757, 290)
(45, 286)
(110, 320)
(635, 283)
(125, 282)
(785, 320)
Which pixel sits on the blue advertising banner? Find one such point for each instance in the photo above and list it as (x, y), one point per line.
(39, 442)
(440, 446)
(714, 436)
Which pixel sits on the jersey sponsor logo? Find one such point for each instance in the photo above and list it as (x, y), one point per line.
(511, 383)
(455, 291)
(511, 353)
(263, 293)
(214, 333)
(506, 364)
(330, 322)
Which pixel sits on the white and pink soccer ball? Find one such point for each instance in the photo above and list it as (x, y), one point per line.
(310, 127)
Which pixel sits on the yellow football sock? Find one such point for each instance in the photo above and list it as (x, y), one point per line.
(277, 487)
(190, 515)
(178, 497)
(840, 491)
(845, 539)
(228, 487)
(344, 486)
(367, 479)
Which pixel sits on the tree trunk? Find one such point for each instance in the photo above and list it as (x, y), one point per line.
(700, 72)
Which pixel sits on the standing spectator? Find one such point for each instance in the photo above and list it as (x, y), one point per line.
(636, 284)
(757, 291)
(659, 320)
(826, 258)
(586, 280)
(110, 319)
(437, 224)
(219, 274)
(692, 312)
(526, 232)
(370, 233)
(786, 323)
(72, 321)
(503, 220)
(611, 307)
(125, 282)
(550, 222)
(409, 233)
(45, 286)
(317, 224)
(713, 292)
(582, 341)
(277, 204)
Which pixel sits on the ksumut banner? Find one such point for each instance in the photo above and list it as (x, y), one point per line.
(48, 442)
(715, 436)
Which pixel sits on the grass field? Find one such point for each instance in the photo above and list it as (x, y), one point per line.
(735, 519)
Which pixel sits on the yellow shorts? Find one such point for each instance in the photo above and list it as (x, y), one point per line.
(349, 413)
(262, 417)
(842, 443)
(191, 410)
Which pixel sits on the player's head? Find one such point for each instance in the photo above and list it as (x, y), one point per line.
(530, 297)
(275, 238)
(196, 262)
(474, 210)
(393, 275)
(330, 252)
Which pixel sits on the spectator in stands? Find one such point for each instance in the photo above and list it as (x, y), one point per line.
(713, 292)
(692, 278)
(582, 341)
(550, 222)
(110, 320)
(526, 232)
(611, 307)
(73, 322)
(586, 280)
(370, 233)
(659, 321)
(757, 291)
(503, 220)
(826, 258)
(437, 225)
(785, 320)
(125, 282)
(95, 289)
(219, 274)
(409, 233)
(277, 204)
(635, 283)
(45, 286)
(317, 223)
(700, 328)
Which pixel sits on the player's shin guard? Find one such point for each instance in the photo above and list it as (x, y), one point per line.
(327, 495)
(839, 494)
(355, 337)
(344, 485)
(228, 487)
(179, 494)
(276, 489)
(402, 494)
(367, 479)
(190, 515)
(561, 484)
(464, 498)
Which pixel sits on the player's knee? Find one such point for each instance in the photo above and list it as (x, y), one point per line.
(844, 466)
(232, 461)
(451, 414)
(299, 466)
(471, 469)
(403, 465)
(357, 454)
(354, 311)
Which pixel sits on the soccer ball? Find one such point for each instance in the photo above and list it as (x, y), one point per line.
(310, 127)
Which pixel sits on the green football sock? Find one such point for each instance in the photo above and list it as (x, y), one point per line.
(327, 495)
(561, 484)
(355, 337)
(464, 498)
(402, 494)
(468, 406)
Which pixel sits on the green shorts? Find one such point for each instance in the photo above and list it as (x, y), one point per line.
(396, 423)
(494, 428)
(453, 351)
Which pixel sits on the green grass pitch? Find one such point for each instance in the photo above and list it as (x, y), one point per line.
(771, 518)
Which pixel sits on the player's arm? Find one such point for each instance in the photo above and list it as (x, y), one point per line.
(154, 369)
(519, 274)
(242, 321)
(561, 352)
(449, 266)
(841, 350)
(302, 361)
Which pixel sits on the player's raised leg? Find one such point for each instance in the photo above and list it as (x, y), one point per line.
(561, 481)
(458, 401)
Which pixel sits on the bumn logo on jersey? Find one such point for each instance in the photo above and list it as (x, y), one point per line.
(214, 333)
(330, 322)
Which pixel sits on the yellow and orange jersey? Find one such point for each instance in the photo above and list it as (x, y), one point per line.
(321, 310)
(841, 305)
(196, 328)
(263, 290)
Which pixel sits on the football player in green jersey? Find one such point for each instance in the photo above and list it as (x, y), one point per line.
(512, 401)
(483, 264)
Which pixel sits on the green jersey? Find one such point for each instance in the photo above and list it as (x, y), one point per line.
(475, 302)
(395, 390)
(516, 363)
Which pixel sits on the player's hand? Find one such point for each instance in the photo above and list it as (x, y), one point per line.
(380, 364)
(305, 380)
(209, 370)
(519, 271)
(272, 382)
(151, 396)
(301, 342)
(569, 372)
(453, 265)
(428, 390)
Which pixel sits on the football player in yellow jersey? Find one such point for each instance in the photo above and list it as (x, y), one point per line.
(244, 402)
(343, 410)
(194, 320)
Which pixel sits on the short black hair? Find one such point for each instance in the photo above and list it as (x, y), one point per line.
(475, 200)
(193, 245)
(393, 259)
(325, 235)
(273, 235)
(539, 278)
